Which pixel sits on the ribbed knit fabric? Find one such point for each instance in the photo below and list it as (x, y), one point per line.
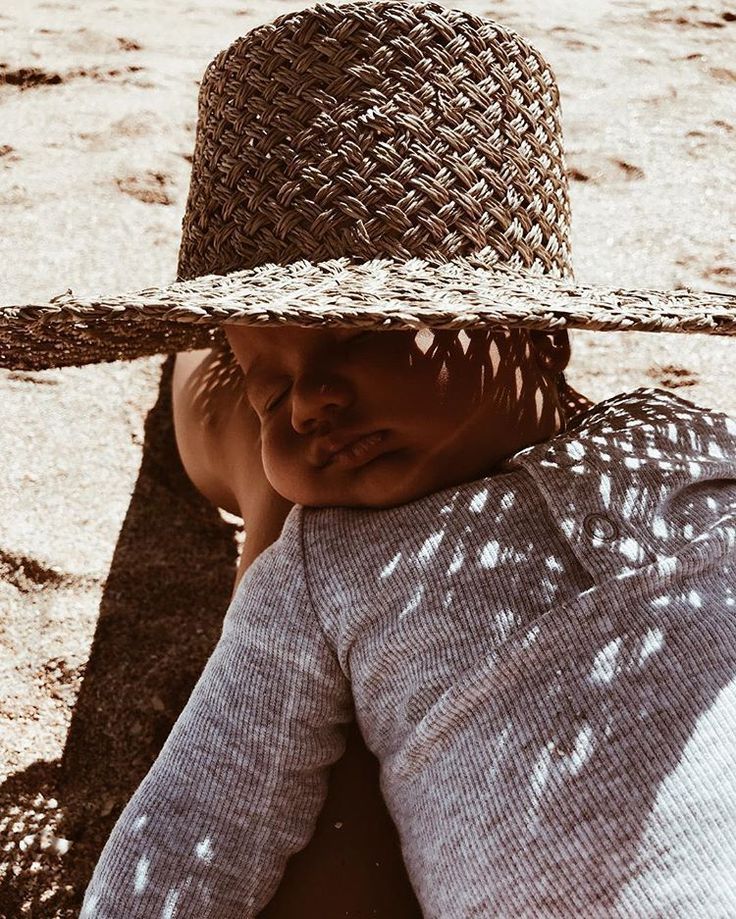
(543, 661)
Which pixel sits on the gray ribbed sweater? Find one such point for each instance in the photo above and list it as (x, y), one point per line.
(543, 661)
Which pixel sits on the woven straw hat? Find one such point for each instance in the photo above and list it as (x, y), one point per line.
(386, 164)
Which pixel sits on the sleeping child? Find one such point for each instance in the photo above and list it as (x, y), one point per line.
(532, 618)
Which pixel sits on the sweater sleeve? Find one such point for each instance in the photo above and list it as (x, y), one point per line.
(242, 777)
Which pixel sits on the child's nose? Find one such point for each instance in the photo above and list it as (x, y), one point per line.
(319, 399)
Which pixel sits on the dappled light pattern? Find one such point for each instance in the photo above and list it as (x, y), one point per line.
(543, 661)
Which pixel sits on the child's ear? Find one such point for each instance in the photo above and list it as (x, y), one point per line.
(551, 349)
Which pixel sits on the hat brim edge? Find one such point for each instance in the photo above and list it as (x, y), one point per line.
(380, 293)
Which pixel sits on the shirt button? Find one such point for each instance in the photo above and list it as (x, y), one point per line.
(598, 526)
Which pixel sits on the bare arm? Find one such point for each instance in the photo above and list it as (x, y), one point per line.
(263, 518)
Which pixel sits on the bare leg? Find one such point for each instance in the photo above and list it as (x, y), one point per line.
(218, 437)
(352, 866)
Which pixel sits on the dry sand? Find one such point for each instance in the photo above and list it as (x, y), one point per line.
(114, 573)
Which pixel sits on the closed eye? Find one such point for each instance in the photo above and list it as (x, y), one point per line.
(359, 336)
(272, 405)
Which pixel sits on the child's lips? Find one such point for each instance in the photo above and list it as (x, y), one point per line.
(359, 451)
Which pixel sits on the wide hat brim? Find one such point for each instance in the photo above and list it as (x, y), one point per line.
(382, 293)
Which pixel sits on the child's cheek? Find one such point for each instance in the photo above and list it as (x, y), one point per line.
(281, 456)
(278, 476)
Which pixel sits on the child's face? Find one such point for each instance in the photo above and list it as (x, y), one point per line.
(451, 405)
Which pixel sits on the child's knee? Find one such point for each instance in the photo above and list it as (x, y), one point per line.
(202, 408)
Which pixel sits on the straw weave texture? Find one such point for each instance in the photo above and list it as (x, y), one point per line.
(369, 130)
(382, 294)
(371, 164)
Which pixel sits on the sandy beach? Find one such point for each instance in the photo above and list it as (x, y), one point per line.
(114, 572)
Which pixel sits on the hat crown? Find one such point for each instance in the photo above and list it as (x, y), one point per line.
(372, 130)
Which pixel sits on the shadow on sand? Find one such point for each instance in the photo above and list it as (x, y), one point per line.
(160, 616)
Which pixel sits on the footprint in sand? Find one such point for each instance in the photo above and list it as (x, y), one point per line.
(676, 17)
(702, 142)
(609, 169)
(150, 188)
(27, 77)
(573, 42)
(27, 574)
(723, 271)
(129, 44)
(628, 170)
(579, 44)
(33, 77)
(84, 41)
(121, 131)
(672, 376)
(8, 155)
(723, 74)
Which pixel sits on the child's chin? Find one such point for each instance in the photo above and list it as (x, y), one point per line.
(378, 484)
